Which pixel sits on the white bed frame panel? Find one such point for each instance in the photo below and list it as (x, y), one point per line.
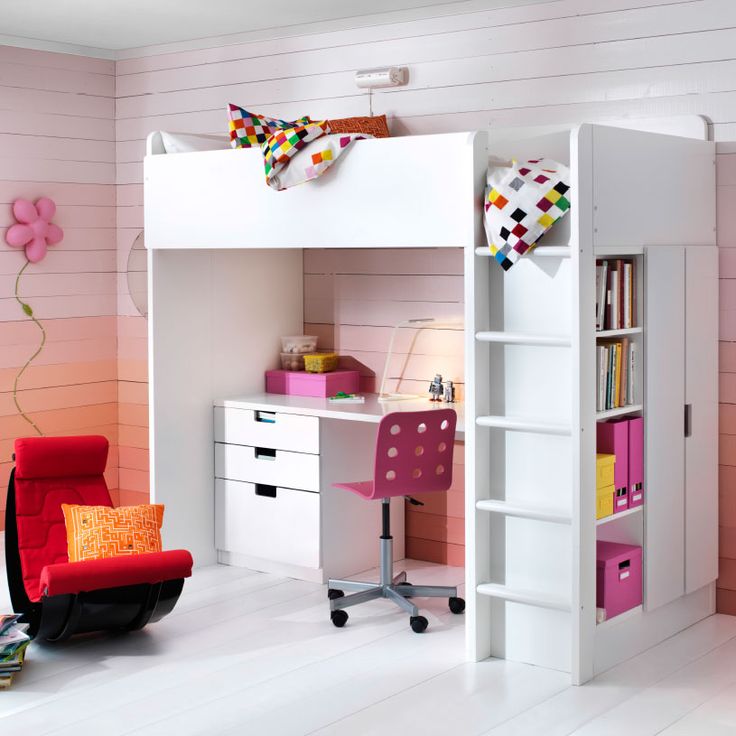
(213, 331)
(209, 215)
(377, 195)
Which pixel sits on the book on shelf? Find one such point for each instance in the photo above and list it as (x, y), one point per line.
(615, 287)
(617, 366)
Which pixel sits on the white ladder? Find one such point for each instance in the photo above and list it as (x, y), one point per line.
(518, 529)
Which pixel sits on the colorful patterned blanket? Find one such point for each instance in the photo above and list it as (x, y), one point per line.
(521, 204)
(293, 152)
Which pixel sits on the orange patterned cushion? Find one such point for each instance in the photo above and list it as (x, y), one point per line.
(375, 126)
(96, 532)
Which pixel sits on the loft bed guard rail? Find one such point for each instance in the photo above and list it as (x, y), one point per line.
(410, 192)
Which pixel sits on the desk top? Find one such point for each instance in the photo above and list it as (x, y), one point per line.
(370, 411)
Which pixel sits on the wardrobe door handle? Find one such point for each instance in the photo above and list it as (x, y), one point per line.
(688, 420)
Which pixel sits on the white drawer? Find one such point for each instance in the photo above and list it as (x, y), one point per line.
(267, 429)
(264, 465)
(283, 526)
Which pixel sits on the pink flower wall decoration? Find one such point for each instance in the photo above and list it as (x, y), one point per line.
(34, 230)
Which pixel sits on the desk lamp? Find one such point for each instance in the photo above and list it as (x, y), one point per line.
(382, 394)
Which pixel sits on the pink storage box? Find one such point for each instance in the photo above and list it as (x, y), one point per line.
(613, 438)
(618, 577)
(636, 462)
(299, 383)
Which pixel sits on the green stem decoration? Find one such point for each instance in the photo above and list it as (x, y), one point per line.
(27, 310)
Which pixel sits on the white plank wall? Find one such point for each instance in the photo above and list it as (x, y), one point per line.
(57, 139)
(554, 62)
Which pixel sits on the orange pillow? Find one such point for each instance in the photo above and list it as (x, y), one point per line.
(375, 126)
(95, 532)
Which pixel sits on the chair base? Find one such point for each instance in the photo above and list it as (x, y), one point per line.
(392, 587)
(397, 591)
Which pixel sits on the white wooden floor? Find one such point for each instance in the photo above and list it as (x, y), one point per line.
(249, 653)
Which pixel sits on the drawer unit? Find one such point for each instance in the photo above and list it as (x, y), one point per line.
(266, 465)
(268, 522)
(267, 429)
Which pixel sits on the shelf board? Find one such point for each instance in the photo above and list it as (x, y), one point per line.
(636, 611)
(619, 333)
(620, 515)
(620, 412)
(612, 251)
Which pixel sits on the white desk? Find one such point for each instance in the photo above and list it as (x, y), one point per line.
(276, 460)
(370, 411)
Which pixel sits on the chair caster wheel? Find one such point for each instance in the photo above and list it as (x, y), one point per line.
(457, 605)
(418, 624)
(333, 593)
(339, 618)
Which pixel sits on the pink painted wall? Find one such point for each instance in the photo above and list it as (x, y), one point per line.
(57, 140)
(352, 300)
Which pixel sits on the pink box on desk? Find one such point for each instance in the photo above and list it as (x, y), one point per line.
(636, 462)
(321, 385)
(618, 577)
(613, 438)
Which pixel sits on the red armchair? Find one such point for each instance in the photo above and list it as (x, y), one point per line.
(59, 598)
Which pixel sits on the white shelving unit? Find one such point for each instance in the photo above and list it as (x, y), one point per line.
(531, 385)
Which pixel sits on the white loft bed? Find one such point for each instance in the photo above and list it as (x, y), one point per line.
(225, 279)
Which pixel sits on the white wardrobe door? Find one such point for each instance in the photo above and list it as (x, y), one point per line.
(701, 394)
(664, 361)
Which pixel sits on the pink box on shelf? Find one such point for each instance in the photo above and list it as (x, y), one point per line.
(618, 577)
(613, 438)
(321, 385)
(636, 462)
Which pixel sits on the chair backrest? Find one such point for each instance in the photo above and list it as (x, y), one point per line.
(414, 452)
(50, 471)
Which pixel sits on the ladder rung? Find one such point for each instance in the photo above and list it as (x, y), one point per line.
(528, 597)
(522, 425)
(523, 512)
(549, 251)
(521, 338)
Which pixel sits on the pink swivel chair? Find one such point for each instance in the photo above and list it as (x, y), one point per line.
(413, 455)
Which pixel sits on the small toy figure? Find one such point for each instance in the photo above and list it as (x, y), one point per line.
(449, 395)
(435, 388)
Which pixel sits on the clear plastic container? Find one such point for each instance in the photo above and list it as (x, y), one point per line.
(292, 361)
(299, 344)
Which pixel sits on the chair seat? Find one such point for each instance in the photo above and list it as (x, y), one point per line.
(363, 488)
(112, 572)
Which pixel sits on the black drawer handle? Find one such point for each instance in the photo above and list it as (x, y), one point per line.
(263, 490)
(264, 453)
(268, 417)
